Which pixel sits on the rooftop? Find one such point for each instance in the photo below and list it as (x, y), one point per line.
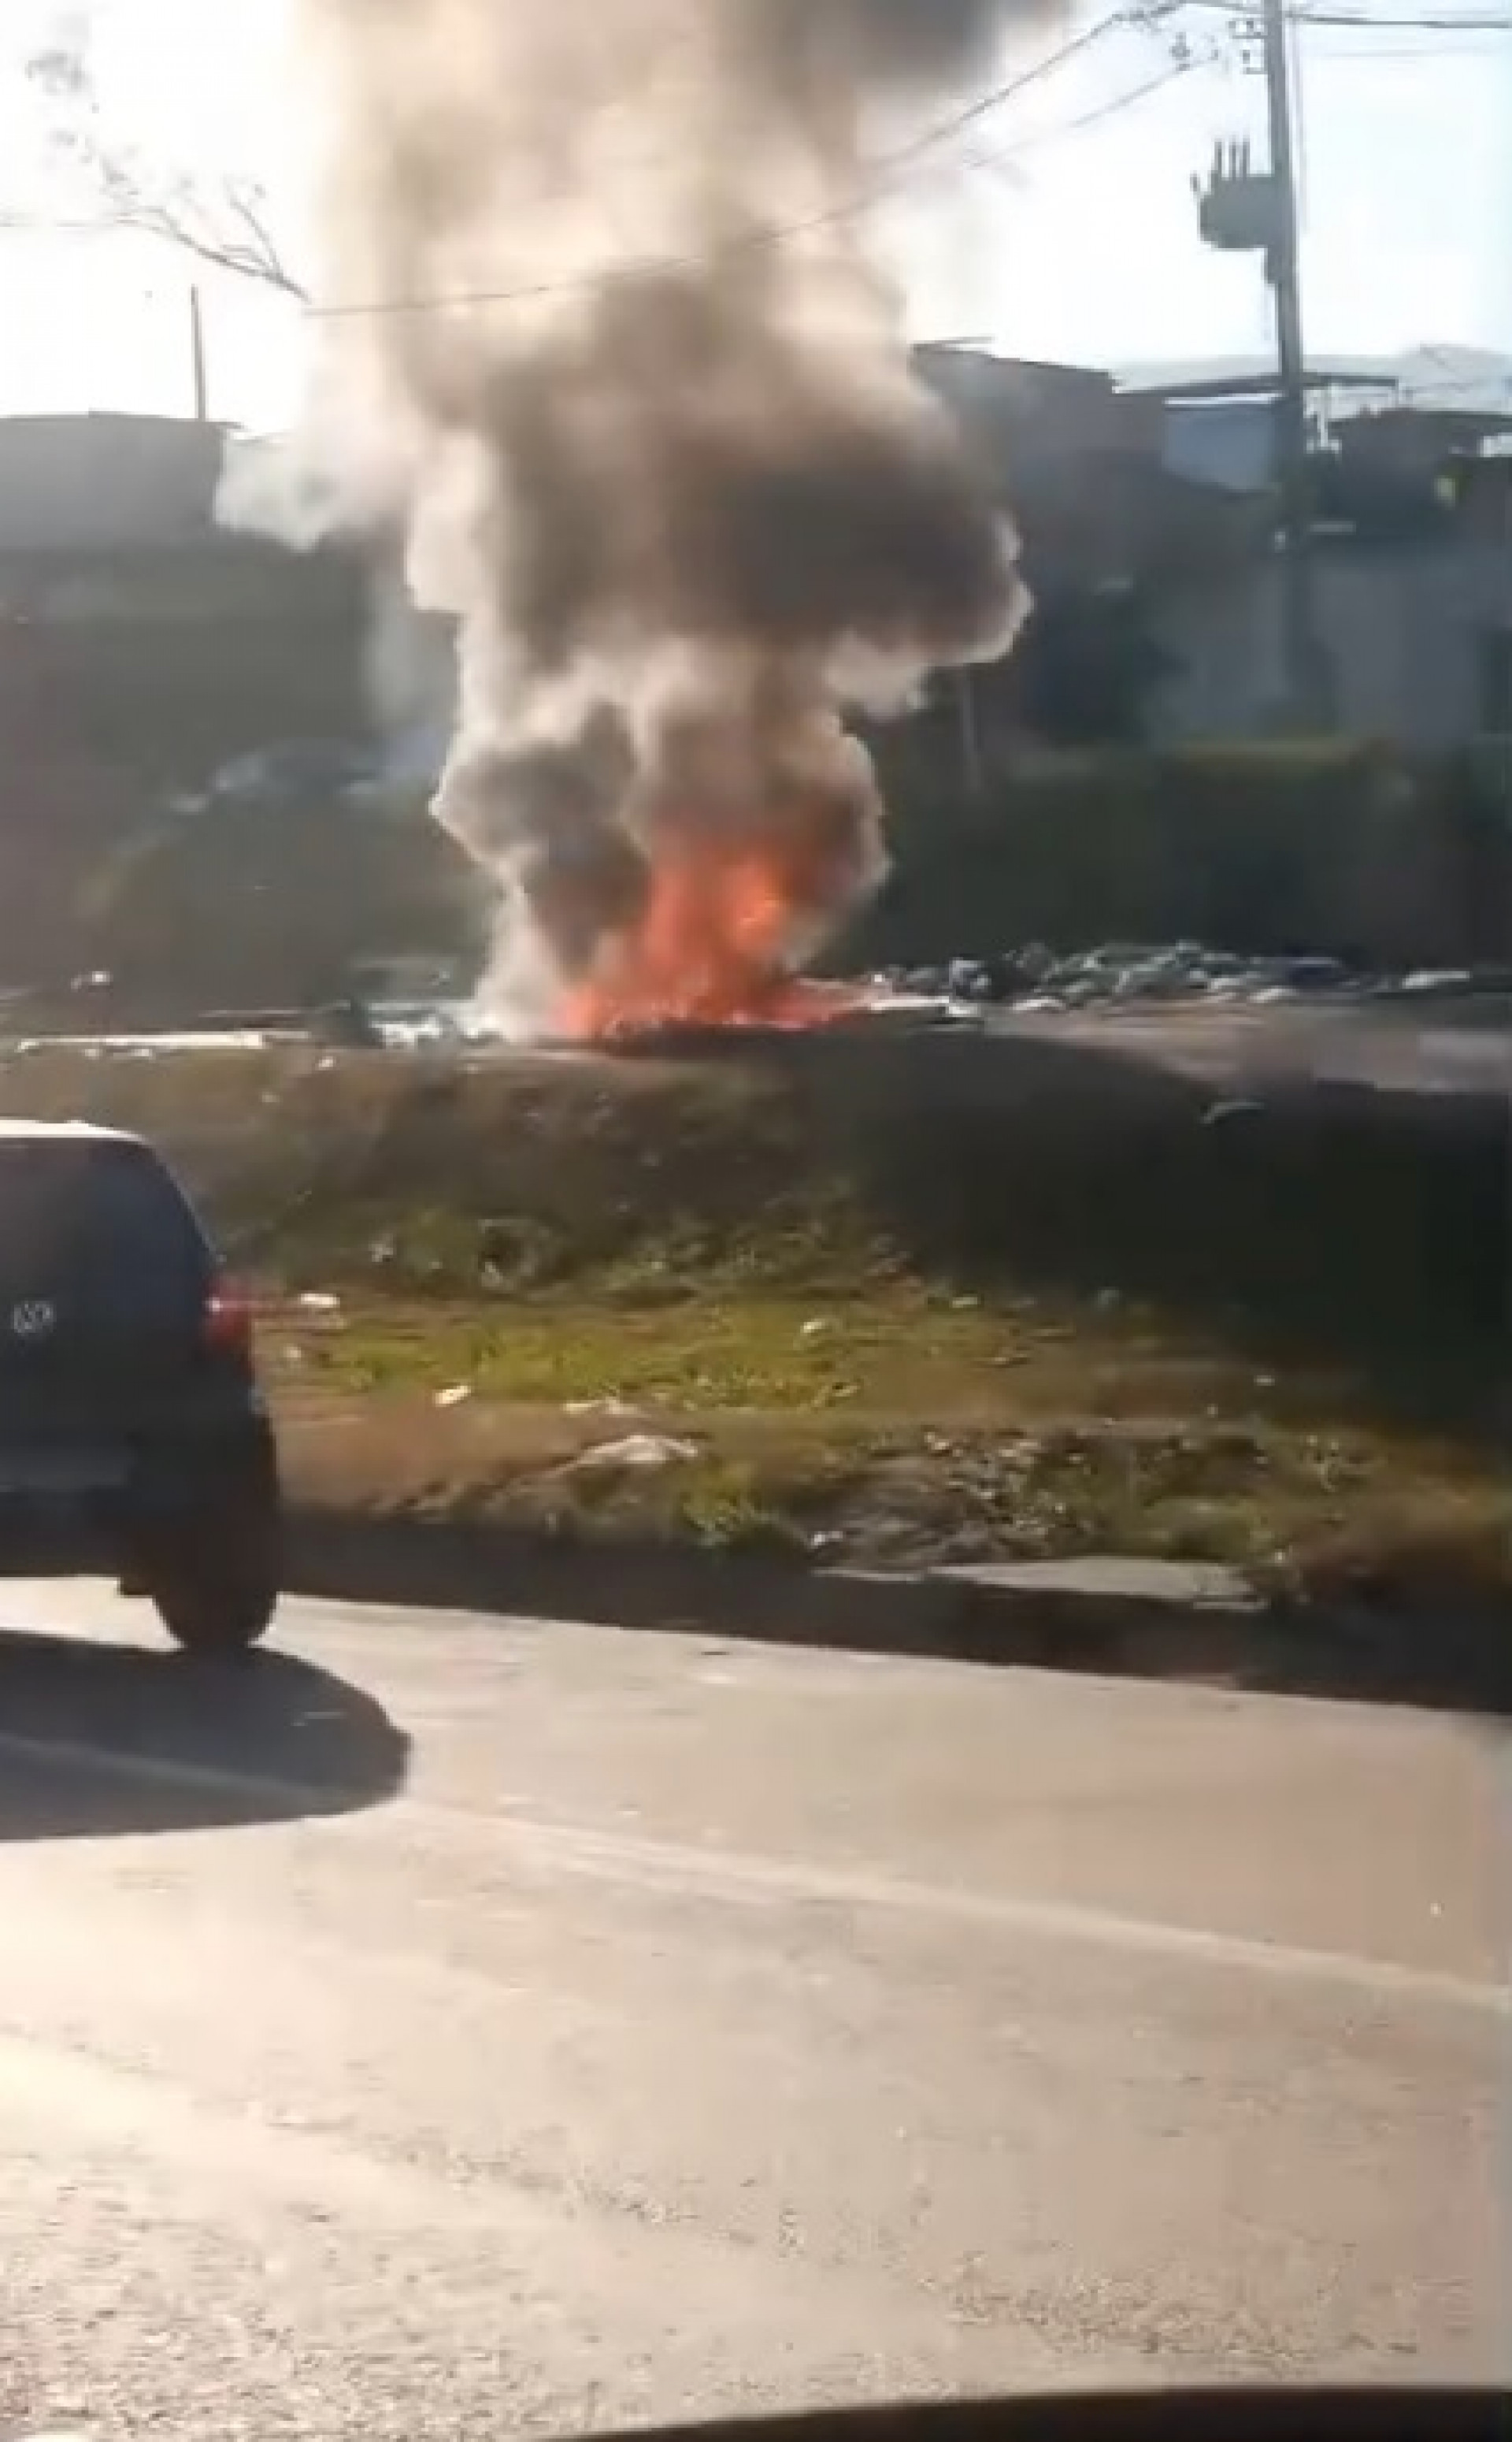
(1474, 380)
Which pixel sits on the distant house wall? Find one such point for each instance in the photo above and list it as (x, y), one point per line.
(134, 625)
(106, 483)
(1411, 631)
(217, 577)
(141, 644)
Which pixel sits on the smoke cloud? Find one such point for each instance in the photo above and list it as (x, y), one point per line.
(611, 353)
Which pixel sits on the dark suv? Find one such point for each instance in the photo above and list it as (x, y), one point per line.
(133, 1439)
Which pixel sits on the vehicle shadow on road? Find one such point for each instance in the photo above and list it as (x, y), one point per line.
(98, 1739)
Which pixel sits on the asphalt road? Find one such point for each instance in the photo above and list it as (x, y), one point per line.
(452, 2026)
(1403, 1046)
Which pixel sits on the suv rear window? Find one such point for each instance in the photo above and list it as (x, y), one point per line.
(103, 1225)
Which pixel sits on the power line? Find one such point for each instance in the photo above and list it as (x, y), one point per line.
(1361, 55)
(970, 163)
(1302, 17)
(886, 174)
(1184, 64)
(1006, 92)
(1438, 22)
(1109, 109)
(888, 165)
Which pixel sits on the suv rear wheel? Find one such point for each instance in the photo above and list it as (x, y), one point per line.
(205, 1611)
(215, 1586)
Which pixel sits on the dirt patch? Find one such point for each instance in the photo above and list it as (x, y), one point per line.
(1269, 1204)
(901, 1430)
(915, 1300)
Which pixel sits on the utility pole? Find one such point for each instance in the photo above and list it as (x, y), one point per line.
(1247, 211)
(196, 350)
(1300, 643)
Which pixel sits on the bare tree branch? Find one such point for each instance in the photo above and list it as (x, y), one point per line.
(224, 224)
(249, 203)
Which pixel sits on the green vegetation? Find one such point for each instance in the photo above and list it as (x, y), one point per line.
(891, 1426)
(878, 1304)
(269, 904)
(1336, 847)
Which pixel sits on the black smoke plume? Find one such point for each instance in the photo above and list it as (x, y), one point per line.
(612, 350)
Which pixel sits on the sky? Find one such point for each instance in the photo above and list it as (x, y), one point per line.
(1062, 227)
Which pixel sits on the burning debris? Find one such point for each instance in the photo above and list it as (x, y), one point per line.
(611, 348)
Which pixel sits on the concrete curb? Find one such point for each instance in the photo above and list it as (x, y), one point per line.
(1112, 1617)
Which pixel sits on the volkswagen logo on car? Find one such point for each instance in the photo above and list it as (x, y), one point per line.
(33, 1318)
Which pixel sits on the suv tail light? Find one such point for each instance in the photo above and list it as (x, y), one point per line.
(227, 1328)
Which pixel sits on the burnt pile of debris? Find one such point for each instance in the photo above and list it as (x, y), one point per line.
(1034, 979)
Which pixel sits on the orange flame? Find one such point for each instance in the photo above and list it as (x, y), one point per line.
(709, 950)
